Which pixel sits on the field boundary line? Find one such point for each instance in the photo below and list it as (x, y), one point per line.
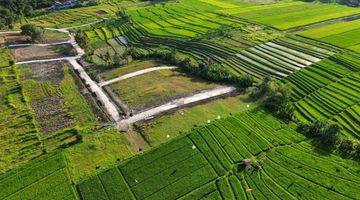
(127, 184)
(204, 155)
(323, 23)
(276, 183)
(176, 180)
(168, 167)
(102, 186)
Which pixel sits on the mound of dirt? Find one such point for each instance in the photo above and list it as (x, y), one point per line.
(101, 12)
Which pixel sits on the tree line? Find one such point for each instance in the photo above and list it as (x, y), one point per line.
(13, 10)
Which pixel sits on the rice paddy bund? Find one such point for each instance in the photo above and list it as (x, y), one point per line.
(189, 83)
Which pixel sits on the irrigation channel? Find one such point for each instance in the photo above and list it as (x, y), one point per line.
(101, 95)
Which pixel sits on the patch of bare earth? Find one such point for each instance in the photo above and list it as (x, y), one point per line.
(33, 52)
(51, 71)
(50, 111)
(13, 38)
(51, 114)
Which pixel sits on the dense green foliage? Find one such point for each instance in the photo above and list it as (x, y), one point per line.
(35, 33)
(13, 10)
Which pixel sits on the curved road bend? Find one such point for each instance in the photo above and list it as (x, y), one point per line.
(133, 74)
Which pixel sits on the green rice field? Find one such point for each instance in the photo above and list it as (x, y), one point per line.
(207, 163)
(343, 34)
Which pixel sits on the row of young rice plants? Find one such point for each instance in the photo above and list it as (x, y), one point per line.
(329, 90)
(42, 178)
(280, 58)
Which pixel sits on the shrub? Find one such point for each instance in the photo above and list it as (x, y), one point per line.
(35, 33)
(346, 147)
(327, 133)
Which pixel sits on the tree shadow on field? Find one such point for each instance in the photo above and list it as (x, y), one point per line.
(321, 148)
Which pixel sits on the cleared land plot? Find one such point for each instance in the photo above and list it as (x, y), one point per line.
(48, 37)
(13, 38)
(343, 34)
(207, 163)
(156, 88)
(54, 97)
(44, 178)
(34, 52)
(329, 90)
(169, 126)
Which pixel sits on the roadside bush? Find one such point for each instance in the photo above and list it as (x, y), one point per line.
(346, 148)
(261, 89)
(327, 133)
(80, 38)
(205, 69)
(275, 98)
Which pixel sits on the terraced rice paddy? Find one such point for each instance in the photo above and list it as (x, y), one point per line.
(343, 34)
(329, 90)
(74, 17)
(278, 58)
(207, 163)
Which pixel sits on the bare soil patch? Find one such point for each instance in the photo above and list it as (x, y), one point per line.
(49, 108)
(51, 114)
(13, 38)
(49, 37)
(101, 12)
(42, 52)
(51, 71)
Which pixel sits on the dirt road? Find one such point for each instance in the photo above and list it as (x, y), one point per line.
(98, 91)
(133, 74)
